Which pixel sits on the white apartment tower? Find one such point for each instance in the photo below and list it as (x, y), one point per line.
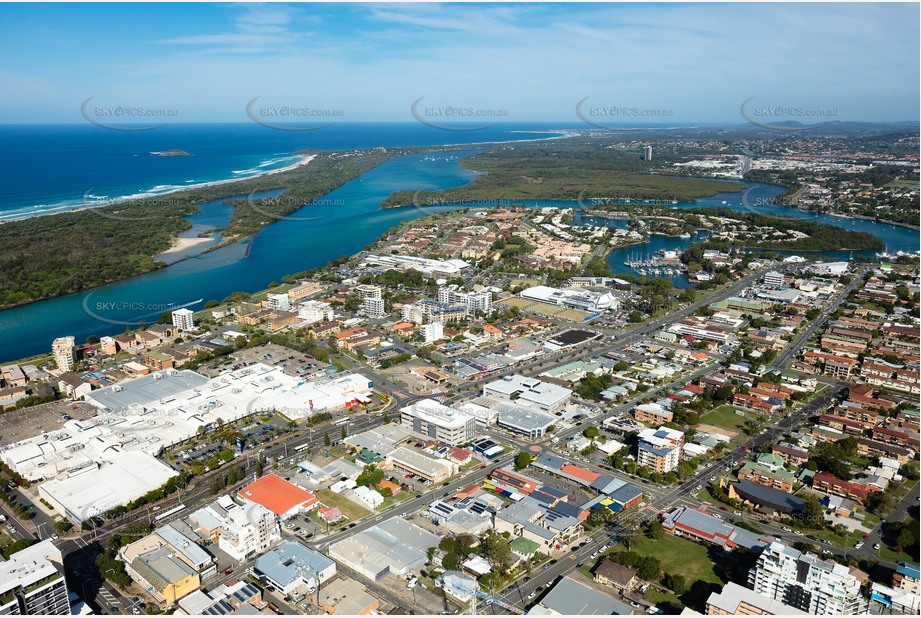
(372, 300)
(184, 319)
(474, 301)
(806, 582)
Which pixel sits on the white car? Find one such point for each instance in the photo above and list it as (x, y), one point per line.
(786, 529)
(531, 596)
(877, 546)
(737, 513)
(858, 545)
(798, 533)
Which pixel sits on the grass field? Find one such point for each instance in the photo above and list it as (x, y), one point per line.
(348, 508)
(573, 315)
(678, 556)
(545, 309)
(725, 416)
(655, 597)
(516, 301)
(887, 553)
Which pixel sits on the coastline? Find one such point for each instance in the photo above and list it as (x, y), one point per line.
(89, 204)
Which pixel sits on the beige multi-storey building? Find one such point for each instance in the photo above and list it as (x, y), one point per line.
(64, 353)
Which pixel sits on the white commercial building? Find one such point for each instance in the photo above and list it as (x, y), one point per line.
(184, 319)
(524, 420)
(292, 567)
(116, 478)
(313, 311)
(428, 267)
(371, 498)
(436, 420)
(95, 464)
(579, 298)
(806, 582)
(542, 396)
(773, 278)
(408, 460)
(392, 547)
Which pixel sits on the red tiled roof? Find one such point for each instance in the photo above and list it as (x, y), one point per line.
(277, 494)
(580, 473)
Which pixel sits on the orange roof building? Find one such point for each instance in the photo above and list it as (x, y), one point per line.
(393, 487)
(279, 496)
(580, 473)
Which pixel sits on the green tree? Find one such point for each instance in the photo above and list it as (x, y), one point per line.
(522, 460)
(326, 440)
(591, 432)
(677, 583)
(450, 561)
(654, 529)
(813, 512)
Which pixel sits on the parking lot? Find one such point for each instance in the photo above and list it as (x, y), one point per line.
(16, 425)
(290, 361)
(404, 375)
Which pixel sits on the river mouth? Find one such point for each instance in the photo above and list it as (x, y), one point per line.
(343, 222)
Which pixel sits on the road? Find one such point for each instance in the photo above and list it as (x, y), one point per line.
(658, 498)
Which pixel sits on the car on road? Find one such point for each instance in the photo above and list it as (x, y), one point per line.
(737, 513)
(877, 546)
(787, 529)
(866, 537)
(546, 566)
(228, 572)
(594, 554)
(532, 595)
(378, 518)
(634, 604)
(798, 533)
(858, 545)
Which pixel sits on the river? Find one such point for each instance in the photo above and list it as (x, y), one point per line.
(341, 223)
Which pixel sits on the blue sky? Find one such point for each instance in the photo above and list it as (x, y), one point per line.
(698, 61)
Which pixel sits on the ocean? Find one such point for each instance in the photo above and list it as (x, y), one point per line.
(63, 167)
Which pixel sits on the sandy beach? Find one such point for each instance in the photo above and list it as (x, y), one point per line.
(87, 203)
(181, 244)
